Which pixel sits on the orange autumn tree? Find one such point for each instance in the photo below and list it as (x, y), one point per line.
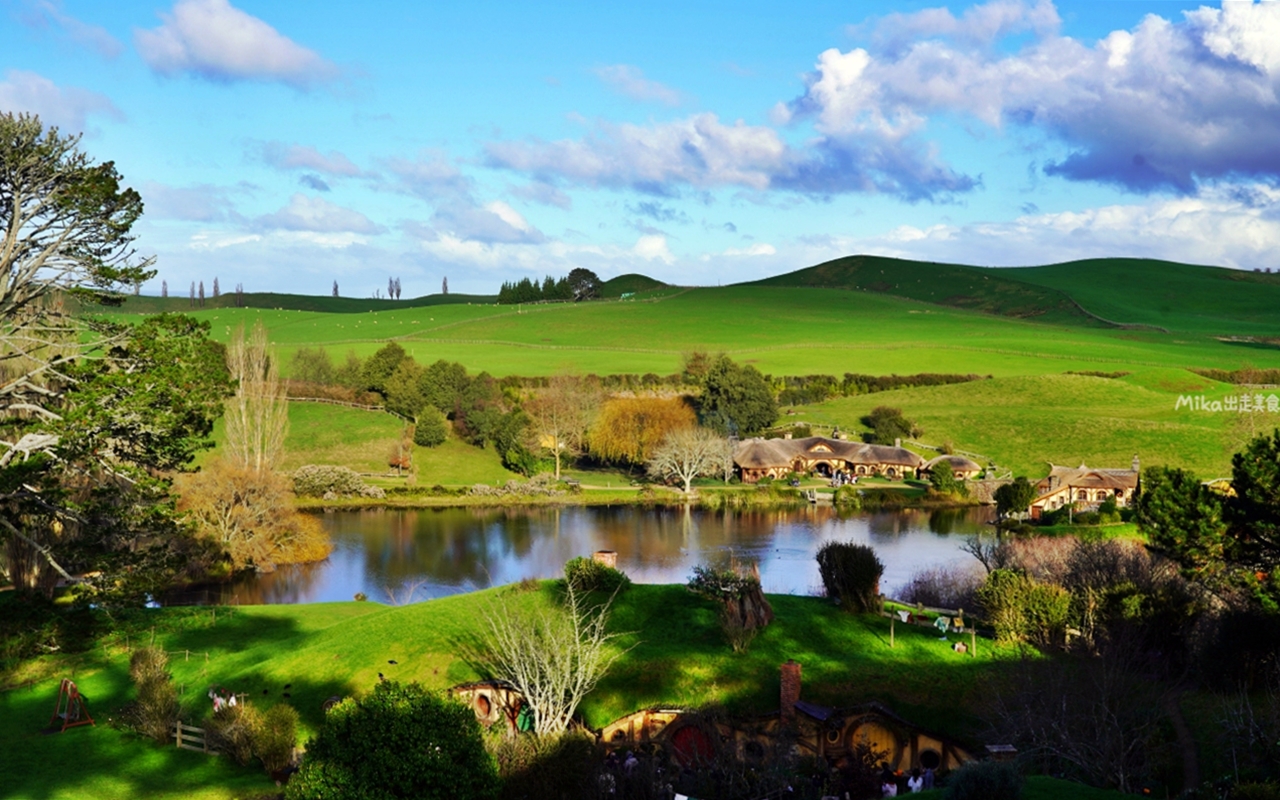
(629, 429)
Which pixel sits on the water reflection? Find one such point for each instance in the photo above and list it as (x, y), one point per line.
(450, 550)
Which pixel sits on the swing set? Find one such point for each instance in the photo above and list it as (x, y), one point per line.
(71, 708)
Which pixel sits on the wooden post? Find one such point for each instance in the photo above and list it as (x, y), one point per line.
(973, 642)
(188, 658)
(177, 734)
(891, 630)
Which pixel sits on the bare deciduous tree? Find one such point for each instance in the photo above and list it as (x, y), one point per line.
(686, 454)
(553, 654)
(561, 415)
(258, 414)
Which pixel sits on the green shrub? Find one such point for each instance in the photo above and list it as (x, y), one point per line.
(985, 780)
(156, 710)
(232, 731)
(851, 573)
(1256, 791)
(329, 481)
(276, 736)
(530, 766)
(398, 741)
(432, 428)
(744, 610)
(847, 497)
(590, 575)
(1021, 608)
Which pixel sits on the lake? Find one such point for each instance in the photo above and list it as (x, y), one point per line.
(395, 555)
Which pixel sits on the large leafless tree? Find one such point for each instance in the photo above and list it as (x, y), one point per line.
(258, 413)
(686, 454)
(561, 414)
(554, 654)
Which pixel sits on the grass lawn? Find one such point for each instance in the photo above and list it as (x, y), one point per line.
(456, 463)
(677, 656)
(781, 330)
(1024, 423)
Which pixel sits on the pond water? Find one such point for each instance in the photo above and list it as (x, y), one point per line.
(397, 555)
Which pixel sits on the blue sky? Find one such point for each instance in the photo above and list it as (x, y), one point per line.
(284, 146)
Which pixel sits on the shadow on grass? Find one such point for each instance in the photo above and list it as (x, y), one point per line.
(102, 761)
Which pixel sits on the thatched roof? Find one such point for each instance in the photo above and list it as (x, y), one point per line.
(1083, 477)
(958, 463)
(773, 453)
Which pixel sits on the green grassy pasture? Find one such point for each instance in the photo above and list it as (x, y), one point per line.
(993, 291)
(783, 331)
(791, 325)
(677, 656)
(1024, 423)
(1179, 297)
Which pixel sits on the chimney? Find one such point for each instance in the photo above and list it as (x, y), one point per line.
(897, 442)
(790, 691)
(1136, 463)
(786, 435)
(607, 557)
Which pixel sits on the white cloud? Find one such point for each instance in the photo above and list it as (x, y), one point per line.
(543, 194)
(509, 215)
(50, 14)
(1222, 226)
(703, 152)
(431, 176)
(66, 108)
(317, 215)
(757, 249)
(206, 240)
(203, 203)
(654, 248)
(305, 157)
(1166, 104)
(214, 40)
(631, 82)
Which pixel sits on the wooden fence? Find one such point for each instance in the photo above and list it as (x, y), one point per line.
(189, 737)
(348, 404)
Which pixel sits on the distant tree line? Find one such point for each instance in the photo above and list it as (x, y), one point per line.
(579, 284)
(795, 390)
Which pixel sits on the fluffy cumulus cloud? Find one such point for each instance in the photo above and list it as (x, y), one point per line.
(631, 82)
(50, 15)
(1165, 105)
(67, 108)
(216, 41)
(317, 215)
(458, 214)
(702, 152)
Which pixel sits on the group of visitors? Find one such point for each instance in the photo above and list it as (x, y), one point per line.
(842, 478)
(892, 783)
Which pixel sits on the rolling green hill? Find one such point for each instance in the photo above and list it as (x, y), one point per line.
(1178, 297)
(1026, 331)
(992, 291)
(629, 284)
